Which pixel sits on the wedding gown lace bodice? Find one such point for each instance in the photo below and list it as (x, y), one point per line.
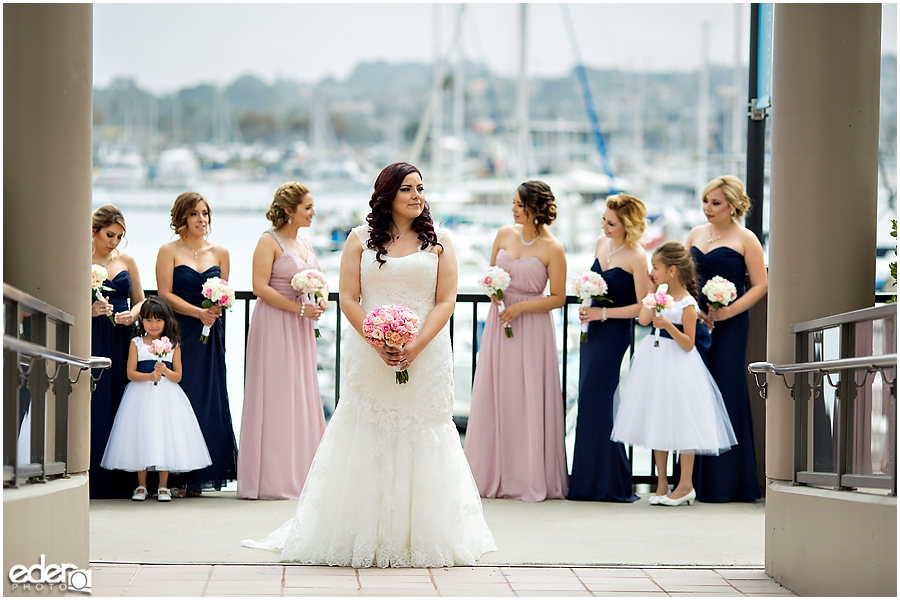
(390, 485)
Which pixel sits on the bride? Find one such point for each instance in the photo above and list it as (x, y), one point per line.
(390, 485)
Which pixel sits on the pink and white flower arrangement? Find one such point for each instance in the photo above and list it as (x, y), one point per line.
(719, 291)
(309, 282)
(394, 326)
(216, 292)
(495, 280)
(658, 301)
(99, 274)
(159, 348)
(588, 287)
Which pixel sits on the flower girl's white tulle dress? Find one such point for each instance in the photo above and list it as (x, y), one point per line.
(155, 425)
(670, 401)
(389, 485)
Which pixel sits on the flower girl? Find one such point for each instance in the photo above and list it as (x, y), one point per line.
(670, 402)
(155, 426)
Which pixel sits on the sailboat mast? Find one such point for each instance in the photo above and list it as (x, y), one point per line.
(522, 104)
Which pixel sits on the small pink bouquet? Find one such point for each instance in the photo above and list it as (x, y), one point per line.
(159, 348)
(99, 274)
(658, 301)
(309, 282)
(719, 291)
(495, 280)
(590, 286)
(216, 292)
(391, 325)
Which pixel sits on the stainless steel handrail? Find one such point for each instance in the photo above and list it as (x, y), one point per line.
(873, 313)
(36, 350)
(23, 299)
(836, 364)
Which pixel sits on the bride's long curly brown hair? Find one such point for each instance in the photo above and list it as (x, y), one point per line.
(380, 220)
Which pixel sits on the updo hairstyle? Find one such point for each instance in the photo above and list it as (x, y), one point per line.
(675, 254)
(288, 196)
(105, 216)
(540, 202)
(183, 206)
(380, 218)
(733, 189)
(633, 214)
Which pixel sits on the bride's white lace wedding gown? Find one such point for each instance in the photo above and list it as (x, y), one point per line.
(390, 485)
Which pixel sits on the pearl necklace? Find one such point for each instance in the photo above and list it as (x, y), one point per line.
(522, 237)
(710, 239)
(609, 258)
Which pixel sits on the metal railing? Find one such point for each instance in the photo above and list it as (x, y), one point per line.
(36, 361)
(844, 387)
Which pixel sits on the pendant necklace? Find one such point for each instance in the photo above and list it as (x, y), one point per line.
(522, 237)
(710, 239)
(189, 249)
(609, 258)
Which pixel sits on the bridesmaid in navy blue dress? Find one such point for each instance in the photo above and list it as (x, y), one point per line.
(600, 469)
(108, 227)
(724, 247)
(182, 267)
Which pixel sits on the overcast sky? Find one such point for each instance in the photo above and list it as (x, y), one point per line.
(168, 46)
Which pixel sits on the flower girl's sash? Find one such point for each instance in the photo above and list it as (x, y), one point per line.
(702, 338)
(146, 366)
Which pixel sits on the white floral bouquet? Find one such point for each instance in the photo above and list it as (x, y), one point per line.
(309, 282)
(99, 274)
(216, 292)
(590, 286)
(719, 291)
(658, 301)
(394, 326)
(159, 348)
(495, 280)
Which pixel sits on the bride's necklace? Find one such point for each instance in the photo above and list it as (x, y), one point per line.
(522, 237)
(710, 239)
(609, 258)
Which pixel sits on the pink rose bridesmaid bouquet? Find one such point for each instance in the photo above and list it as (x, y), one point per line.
(394, 326)
(658, 301)
(99, 274)
(719, 291)
(495, 280)
(216, 292)
(590, 286)
(309, 282)
(159, 348)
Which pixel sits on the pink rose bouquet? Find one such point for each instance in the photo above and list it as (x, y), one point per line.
(719, 291)
(590, 286)
(99, 274)
(309, 282)
(495, 280)
(393, 326)
(216, 292)
(658, 301)
(159, 348)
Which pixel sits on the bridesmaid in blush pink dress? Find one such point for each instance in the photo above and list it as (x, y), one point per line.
(515, 438)
(283, 419)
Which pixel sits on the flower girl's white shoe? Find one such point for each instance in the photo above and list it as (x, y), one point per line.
(163, 495)
(686, 499)
(140, 493)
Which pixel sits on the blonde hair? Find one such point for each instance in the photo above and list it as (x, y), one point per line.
(633, 214)
(106, 216)
(673, 254)
(183, 206)
(733, 190)
(288, 195)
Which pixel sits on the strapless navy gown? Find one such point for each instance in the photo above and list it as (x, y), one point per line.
(203, 381)
(111, 341)
(732, 475)
(600, 469)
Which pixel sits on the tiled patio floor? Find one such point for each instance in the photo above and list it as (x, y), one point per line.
(118, 579)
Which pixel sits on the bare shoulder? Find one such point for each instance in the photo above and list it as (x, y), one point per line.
(167, 250)
(128, 261)
(220, 250)
(506, 231)
(689, 240)
(749, 239)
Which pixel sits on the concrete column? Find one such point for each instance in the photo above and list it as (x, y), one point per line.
(47, 117)
(824, 182)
